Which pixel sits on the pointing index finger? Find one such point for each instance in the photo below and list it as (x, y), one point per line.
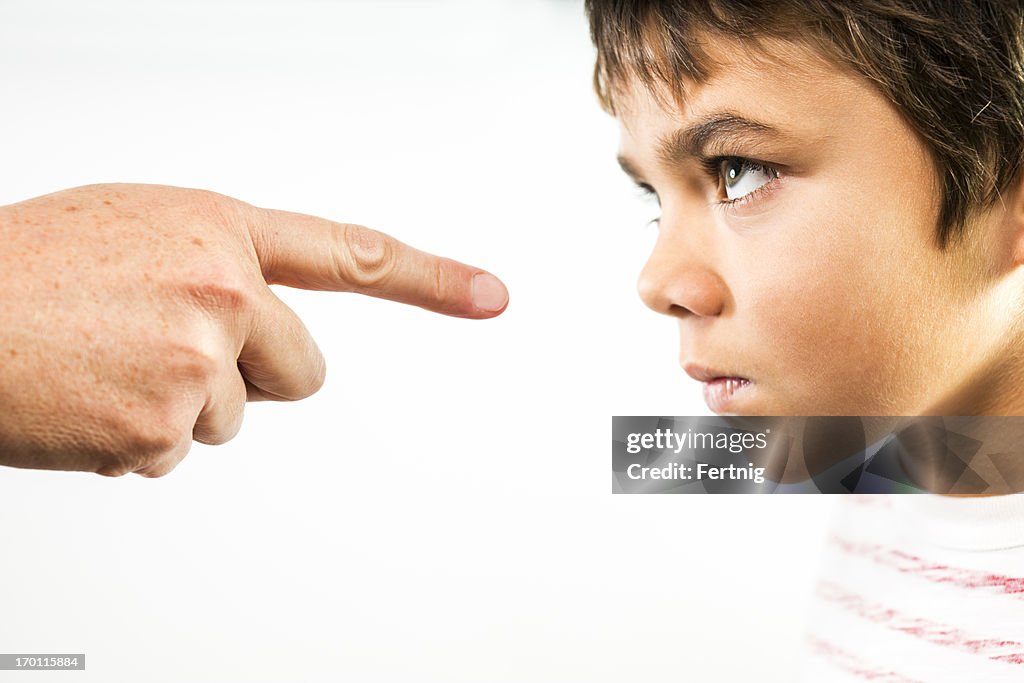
(314, 253)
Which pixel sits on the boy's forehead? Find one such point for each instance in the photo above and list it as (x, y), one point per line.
(783, 86)
(733, 67)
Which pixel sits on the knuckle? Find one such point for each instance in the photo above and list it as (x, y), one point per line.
(145, 435)
(317, 375)
(191, 366)
(231, 430)
(155, 472)
(221, 418)
(210, 210)
(164, 424)
(157, 469)
(263, 240)
(114, 467)
(161, 467)
(159, 438)
(142, 450)
(221, 290)
(219, 207)
(218, 433)
(363, 257)
(191, 206)
(314, 369)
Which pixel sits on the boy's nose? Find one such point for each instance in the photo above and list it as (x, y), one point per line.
(678, 281)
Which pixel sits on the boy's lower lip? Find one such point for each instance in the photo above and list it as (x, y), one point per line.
(720, 392)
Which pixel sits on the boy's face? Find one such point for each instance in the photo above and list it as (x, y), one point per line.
(797, 245)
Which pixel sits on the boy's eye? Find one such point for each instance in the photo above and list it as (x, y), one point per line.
(740, 176)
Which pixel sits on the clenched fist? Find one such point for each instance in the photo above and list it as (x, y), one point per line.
(135, 319)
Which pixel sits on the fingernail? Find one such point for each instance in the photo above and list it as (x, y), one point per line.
(488, 292)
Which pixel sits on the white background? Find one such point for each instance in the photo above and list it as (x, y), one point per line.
(441, 510)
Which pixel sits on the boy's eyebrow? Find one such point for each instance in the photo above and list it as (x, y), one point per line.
(722, 129)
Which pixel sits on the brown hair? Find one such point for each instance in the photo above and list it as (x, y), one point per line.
(953, 68)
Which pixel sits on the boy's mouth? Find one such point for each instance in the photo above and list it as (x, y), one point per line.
(720, 388)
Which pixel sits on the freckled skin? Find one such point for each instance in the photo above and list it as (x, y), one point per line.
(828, 290)
(135, 319)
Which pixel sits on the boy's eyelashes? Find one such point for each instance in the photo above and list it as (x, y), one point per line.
(736, 179)
(647, 192)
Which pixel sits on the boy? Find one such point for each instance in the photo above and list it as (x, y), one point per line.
(842, 221)
(842, 233)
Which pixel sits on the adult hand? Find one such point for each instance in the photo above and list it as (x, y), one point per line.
(136, 318)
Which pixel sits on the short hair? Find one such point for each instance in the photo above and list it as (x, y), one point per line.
(953, 68)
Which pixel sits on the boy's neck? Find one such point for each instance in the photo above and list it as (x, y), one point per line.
(996, 390)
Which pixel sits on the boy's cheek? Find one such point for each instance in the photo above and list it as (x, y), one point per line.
(826, 303)
(814, 330)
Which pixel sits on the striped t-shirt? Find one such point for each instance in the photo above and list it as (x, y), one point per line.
(920, 588)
